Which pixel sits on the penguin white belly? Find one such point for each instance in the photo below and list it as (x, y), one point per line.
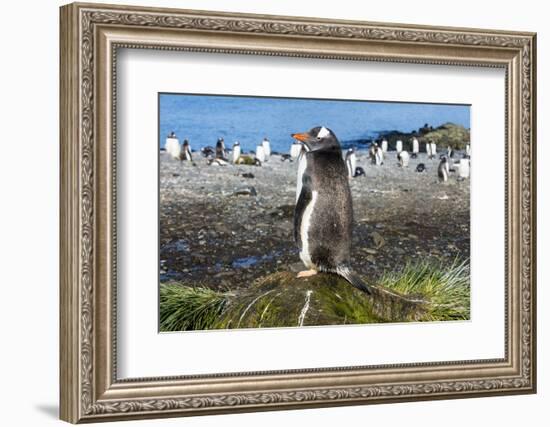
(415, 146)
(305, 254)
(172, 147)
(236, 153)
(349, 167)
(302, 164)
(379, 157)
(267, 148)
(464, 168)
(188, 155)
(399, 146)
(295, 150)
(260, 153)
(353, 164)
(384, 145)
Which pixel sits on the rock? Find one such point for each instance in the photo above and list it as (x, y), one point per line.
(245, 191)
(378, 240)
(248, 175)
(281, 299)
(370, 251)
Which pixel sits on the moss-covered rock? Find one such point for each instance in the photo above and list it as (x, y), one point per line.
(448, 134)
(420, 292)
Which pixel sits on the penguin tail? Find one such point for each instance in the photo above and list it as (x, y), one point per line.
(353, 278)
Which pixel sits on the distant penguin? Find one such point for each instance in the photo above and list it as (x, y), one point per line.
(295, 150)
(433, 149)
(443, 170)
(415, 148)
(398, 146)
(468, 150)
(323, 216)
(260, 153)
(236, 153)
(384, 145)
(351, 162)
(403, 158)
(173, 146)
(429, 149)
(464, 168)
(267, 148)
(217, 162)
(378, 156)
(449, 151)
(421, 167)
(359, 171)
(208, 151)
(372, 152)
(220, 149)
(186, 152)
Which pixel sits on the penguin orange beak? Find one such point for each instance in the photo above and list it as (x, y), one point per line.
(303, 137)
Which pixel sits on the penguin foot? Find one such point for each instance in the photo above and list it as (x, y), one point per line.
(306, 273)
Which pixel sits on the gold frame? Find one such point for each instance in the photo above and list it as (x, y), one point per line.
(90, 36)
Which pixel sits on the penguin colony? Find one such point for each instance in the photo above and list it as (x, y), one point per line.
(218, 155)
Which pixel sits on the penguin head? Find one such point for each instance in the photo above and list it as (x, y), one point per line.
(319, 138)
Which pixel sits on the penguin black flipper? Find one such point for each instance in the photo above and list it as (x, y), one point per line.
(301, 205)
(354, 279)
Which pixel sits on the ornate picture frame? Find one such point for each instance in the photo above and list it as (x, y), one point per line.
(90, 37)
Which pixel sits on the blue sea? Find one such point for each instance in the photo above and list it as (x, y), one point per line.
(202, 119)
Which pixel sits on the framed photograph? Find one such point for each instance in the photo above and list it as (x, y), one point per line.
(266, 212)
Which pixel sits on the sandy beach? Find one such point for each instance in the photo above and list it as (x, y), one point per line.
(223, 230)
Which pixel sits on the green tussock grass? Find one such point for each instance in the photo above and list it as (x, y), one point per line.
(186, 308)
(445, 288)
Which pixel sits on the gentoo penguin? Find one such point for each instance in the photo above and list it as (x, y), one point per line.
(449, 151)
(208, 151)
(295, 150)
(351, 162)
(372, 152)
(378, 156)
(323, 216)
(403, 158)
(384, 145)
(186, 152)
(236, 152)
(220, 149)
(173, 146)
(217, 162)
(468, 150)
(399, 146)
(267, 148)
(415, 146)
(428, 149)
(421, 167)
(442, 170)
(260, 153)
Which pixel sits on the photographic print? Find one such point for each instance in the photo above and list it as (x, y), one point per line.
(285, 212)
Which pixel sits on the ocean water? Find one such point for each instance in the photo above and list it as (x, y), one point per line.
(202, 119)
